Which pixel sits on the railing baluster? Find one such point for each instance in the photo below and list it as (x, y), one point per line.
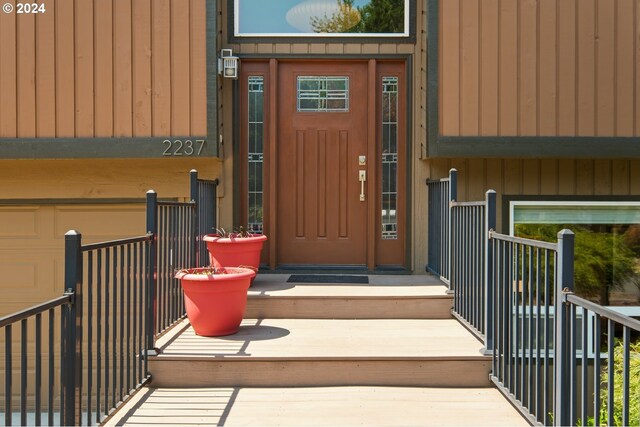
(610, 373)
(89, 335)
(596, 368)
(626, 338)
(585, 366)
(114, 325)
(128, 386)
(51, 367)
(38, 370)
(107, 296)
(8, 369)
(99, 273)
(121, 386)
(23, 372)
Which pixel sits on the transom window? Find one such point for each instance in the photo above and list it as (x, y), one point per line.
(323, 93)
(309, 18)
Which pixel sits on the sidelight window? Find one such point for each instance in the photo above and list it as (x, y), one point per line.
(389, 157)
(255, 154)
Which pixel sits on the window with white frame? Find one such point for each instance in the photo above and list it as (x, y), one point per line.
(607, 243)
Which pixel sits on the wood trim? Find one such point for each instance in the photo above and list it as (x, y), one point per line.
(98, 148)
(372, 161)
(273, 162)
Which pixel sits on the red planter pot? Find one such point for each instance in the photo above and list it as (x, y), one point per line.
(215, 303)
(235, 251)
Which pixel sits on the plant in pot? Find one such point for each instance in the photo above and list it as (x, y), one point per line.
(238, 248)
(215, 298)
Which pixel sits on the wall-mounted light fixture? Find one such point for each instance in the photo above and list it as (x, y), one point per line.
(228, 64)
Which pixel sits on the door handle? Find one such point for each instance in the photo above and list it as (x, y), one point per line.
(362, 177)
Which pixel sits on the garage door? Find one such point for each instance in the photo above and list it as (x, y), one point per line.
(32, 245)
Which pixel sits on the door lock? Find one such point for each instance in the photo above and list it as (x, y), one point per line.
(362, 177)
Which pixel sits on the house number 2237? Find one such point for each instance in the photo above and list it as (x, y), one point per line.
(179, 147)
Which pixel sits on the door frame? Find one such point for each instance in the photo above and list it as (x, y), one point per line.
(270, 62)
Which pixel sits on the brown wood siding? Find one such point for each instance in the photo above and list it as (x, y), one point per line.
(540, 177)
(539, 67)
(95, 68)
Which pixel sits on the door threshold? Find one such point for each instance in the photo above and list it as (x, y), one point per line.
(333, 269)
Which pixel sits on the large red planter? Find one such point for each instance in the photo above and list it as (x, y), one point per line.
(215, 303)
(235, 251)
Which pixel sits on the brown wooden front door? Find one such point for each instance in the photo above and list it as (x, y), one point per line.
(325, 124)
(321, 217)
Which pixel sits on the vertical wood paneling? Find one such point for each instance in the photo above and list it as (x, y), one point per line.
(547, 63)
(476, 187)
(489, 67)
(198, 68)
(8, 73)
(620, 176)
(566, 176)
(180, 64)
(548, 176)
(84, 69)
(567, 71)
(556, 67)
(586, 67)
(26, 64)
(584, 177)
(528, 68)
(65, 72)
(122, 76)
(494, 175)
(512, 178)
(602, 177)
(161, 67)
(531, 176)
(141, 68)
(103, 69)
(45, 74)
(469, 66)
(508, 71)
(450, 71)
(605, 60)
(634, 177)
(624, 67)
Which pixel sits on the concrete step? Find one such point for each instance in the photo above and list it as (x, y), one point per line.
(384, 297)
(320, 406)
(323, 352)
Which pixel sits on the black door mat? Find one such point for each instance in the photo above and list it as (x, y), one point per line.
(327, 278)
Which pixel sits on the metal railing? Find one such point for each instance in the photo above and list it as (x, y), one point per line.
(469, 222)
(515, 295)
(120, 295)
(441, 193)
(42, 363)
(590, 392)
(113, 298)
(205, 193)
(522, 326)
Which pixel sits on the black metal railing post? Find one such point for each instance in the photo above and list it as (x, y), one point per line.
(453, 196)
(489, 226)
(152, 228)
(195, 197)
(563, 285)
(73, 341)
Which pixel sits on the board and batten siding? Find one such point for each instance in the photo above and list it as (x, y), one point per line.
(539, 67)
(102, 68)
(540, 177)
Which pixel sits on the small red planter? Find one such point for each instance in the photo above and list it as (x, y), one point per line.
(215, 303)
(235, 251)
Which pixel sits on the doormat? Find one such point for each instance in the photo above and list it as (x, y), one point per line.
(327, 278)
